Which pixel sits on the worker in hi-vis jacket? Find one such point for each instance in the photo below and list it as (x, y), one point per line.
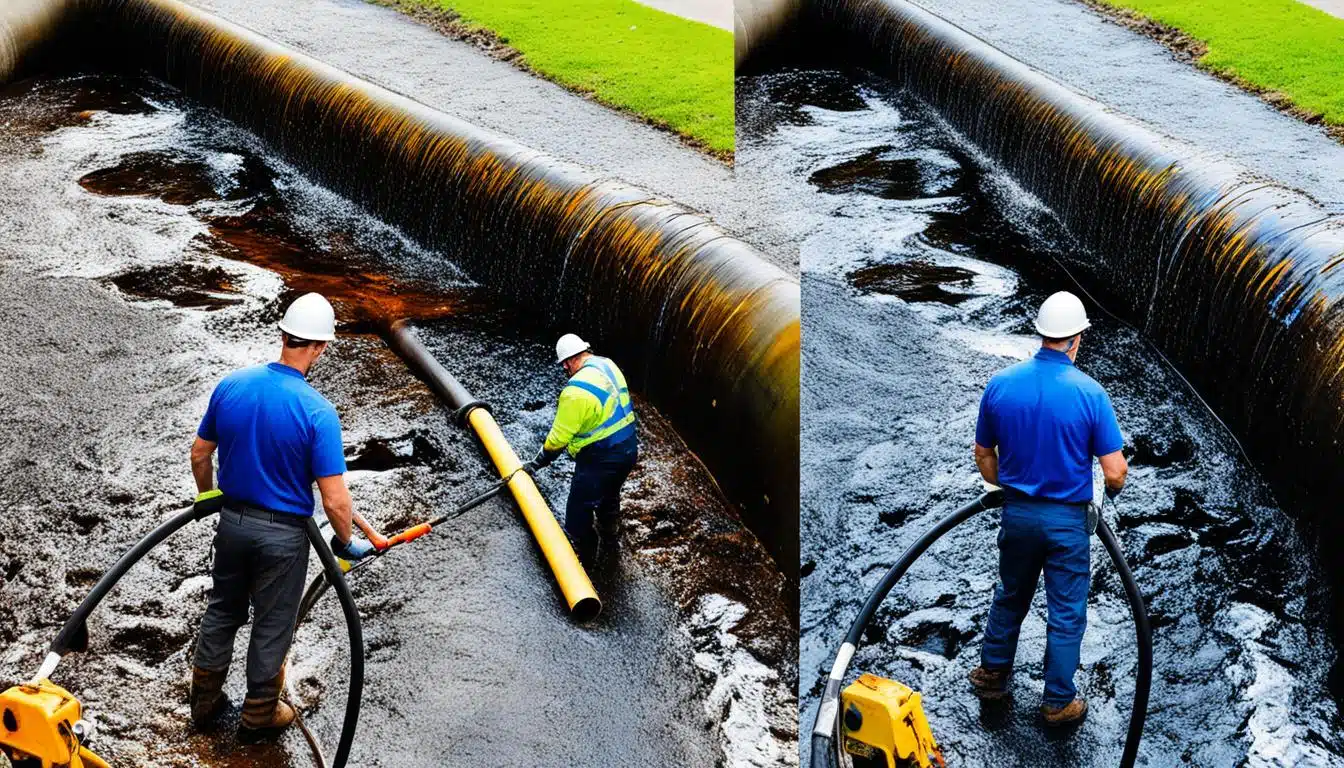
(594, 420)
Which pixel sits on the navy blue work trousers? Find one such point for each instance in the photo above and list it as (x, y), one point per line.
(1034, 538)
(599, 472)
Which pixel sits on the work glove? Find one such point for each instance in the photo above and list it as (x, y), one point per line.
(1111, 493)
(1093, 517)
(208, 502)
(542, 460)
(357, 549)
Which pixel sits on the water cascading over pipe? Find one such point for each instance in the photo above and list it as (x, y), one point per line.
(705, 328)
(1236, 280)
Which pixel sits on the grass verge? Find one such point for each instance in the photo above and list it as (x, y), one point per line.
(1289, 53)
(671, 72)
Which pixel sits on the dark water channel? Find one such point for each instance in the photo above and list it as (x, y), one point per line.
(146, 248)
(921, 269)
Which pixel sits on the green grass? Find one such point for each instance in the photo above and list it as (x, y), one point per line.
(1280, 47)
(671, 71)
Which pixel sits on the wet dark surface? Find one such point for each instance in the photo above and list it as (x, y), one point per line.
(891, 381)
(147, 251)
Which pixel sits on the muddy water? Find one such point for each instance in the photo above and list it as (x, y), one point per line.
(921, 270)
(146, 248)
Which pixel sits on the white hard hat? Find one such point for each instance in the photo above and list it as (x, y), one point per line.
(1061, 316)
(568, 346)
(310, 317)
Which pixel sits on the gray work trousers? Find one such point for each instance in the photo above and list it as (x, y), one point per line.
(262, 564)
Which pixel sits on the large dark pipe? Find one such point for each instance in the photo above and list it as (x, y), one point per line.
(758, 23)
(706, 329)
(27, 27)
(1236, 280)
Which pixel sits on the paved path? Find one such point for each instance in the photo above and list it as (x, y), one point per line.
(387, 48)
(718, 13)
(1139, 77)
(1332, 7)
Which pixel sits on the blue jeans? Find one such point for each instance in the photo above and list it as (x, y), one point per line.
(599, 472)
(1035, 537)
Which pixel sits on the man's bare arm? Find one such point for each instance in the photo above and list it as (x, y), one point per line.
(203, 465)
(1115, 469)
(988, 462)
(336, 502)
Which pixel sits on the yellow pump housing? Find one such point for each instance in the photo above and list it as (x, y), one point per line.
(38, 728)
(883, 726)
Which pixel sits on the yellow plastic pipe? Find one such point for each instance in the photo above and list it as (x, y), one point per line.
(569, 574)
(584, 604)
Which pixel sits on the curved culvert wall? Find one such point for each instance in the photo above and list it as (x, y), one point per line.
(26, 29)
(703, 326)
(1237, 280)
(758, 22)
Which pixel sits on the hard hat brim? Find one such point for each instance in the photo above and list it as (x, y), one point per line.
(307, 336)
(586, 348)
(1057, 333)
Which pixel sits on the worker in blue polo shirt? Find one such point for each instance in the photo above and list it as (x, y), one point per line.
(276, 436)
(1041, 423)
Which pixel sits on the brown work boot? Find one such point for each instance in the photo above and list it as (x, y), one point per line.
(207, 695)
(1069, 714)
(990, 683)
(263, 710)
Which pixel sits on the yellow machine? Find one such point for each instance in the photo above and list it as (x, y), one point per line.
(40, 727)
(884, 726)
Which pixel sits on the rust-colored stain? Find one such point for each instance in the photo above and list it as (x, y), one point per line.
(699, 319)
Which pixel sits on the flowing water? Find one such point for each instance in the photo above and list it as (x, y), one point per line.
(147, 248)
(922, 266)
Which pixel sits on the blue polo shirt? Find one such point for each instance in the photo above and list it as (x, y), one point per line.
(1048, 419)
(276, 436)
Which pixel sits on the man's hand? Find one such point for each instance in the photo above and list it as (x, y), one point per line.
(355, 549)
(542, 460)
(208, 502)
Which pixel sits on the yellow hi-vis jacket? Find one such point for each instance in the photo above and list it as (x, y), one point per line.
(594, 405)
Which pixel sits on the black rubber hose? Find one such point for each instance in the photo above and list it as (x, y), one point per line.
(1144, 632)
(356, 692)
(826, 748)
(74, 635)
(828, 711)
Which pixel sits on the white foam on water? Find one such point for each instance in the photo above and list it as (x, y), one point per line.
(1269, 691)
(745, 692)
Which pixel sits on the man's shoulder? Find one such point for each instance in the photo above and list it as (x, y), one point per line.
(1011, 373)
(314, 401)
(244, 375)
(1085, 383)
(589, 374)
